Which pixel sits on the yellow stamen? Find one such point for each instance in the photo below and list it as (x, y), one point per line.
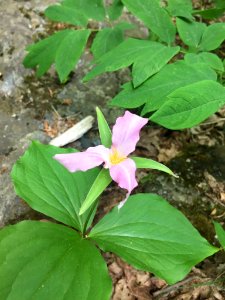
(116, 157)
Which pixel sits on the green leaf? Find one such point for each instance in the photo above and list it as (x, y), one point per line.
(190, 105)
(146, 163)
(69, 52)
(211, 13)
(153, 92)
(152, 62)
(211, 59)
(114, 11)
(148, 58)
(104, 130)
(151, 235)
(212, 37)
(50, 188)
(47, 261)
(93, 9)
(100, 184)
(220, 233)
(154, 16)
(190, 32)
(180, 8)
(220, 3)
(65, 14)
(105, 40)
(64, 48)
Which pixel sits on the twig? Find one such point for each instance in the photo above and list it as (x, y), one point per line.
(74, 133)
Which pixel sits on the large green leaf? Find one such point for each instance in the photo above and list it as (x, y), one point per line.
(212, 37)
(65, 14)
(50, 188)
(180, 8)
(148, 58)
(220, 234)
(64, 48)
(154, 16)
(46, 261)
(151, 62)
(115, 9)
(190, 32)
(93, 9)
(190, 105)
(151, 235)
(153, 92)
(105, 40)
(211, 59)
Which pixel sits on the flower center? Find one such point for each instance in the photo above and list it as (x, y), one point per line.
(115, 157)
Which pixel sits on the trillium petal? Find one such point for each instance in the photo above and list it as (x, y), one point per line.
(126, 132)
(124, 174)
(83, 161)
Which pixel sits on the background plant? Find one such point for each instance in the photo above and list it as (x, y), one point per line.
(176, 82)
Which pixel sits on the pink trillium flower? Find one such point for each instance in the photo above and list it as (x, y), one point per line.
(125, 135)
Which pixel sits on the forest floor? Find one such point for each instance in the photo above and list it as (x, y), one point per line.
(32, 108)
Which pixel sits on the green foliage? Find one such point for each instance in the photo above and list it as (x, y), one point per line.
(155, 18)
(66, 14)
(99, 185)
(210, 59)
(154, 91)
(211, 13)
(190, 105)
(115, 10)
(40, 260)
(105, 40)
(63, 48)
(104, 130)
(212, 37)
(146, 163)
(50, 188)
(180, 8)
(147, 58)
(93, 9)
(153, 236)
(190, 32)
(220, 234)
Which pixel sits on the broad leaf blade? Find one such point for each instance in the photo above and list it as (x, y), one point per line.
(211, 59)
(220, 234)
(211, 13)
(146, 163)
(40, 260)
(105, 40)
(180, 8)
(154, 91)
(147, 58)
(70, 51)
(93, 9)
(151, 235)
(100, 184)
(190, 32)
(115, 10)
(154, 16)
(104, 130)
(50, 188)
(151, 62)
(212, 37)
(61, 13)
(190, 105)
(64, 48)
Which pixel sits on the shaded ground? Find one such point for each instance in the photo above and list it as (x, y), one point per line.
(40, 109)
